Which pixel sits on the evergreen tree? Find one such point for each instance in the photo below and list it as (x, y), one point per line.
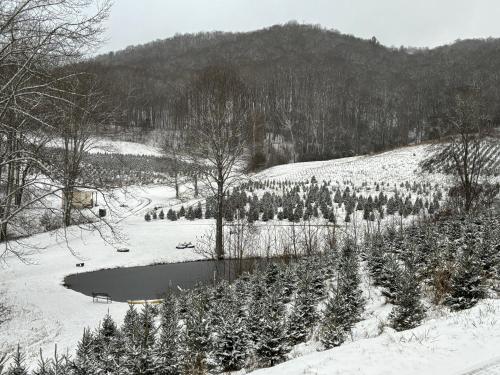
(167, 345)
(272, 275)
(466, 284)
(389, 278)
(139, 352)
(230, 342)
(408, 312)
(198, 213)
(195, 337)
(60, 364)
(349, 280)
(130, 328)
(171, 215)
(375, 258)
(85, 362)
(182, 212)
(43, 366)
(256, 309)
(18, 367)
(336, 322)
(147, 217)
(272, 345)
(190, 213)
(304, 314)
(161, 215)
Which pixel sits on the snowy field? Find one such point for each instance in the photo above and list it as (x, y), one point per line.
(391, 167)
(116, 147)
(44, 312)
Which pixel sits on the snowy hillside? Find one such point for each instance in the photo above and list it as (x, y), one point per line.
(35, 294)
(458, 344)
(393, 167)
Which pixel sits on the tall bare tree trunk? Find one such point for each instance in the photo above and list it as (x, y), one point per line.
(219, 245)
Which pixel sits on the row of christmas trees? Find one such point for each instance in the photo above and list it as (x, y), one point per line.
(291, 206)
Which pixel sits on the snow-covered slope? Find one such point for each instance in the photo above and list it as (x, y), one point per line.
(123, 147)
(466, 342)
(103, 145)
(392, 166)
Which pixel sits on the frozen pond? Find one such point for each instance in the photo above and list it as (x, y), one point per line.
(151, 282)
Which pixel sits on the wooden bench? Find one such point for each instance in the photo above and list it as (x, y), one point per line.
(103, 296)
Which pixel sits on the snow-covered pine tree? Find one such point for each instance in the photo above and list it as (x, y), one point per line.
(389, 277)
(304, 312)
(349, 280)
(272, 345)
(230, 342)
(139, 353)
(108, 346)
(256, 307)
(336, 322)
(190, 213)
(409, 311)
(85, 362)
(466, 283)
(272, 275)
(130, 327)
(43, 367)
(195, 336)
(287, 283)
(17, 366)
(375, 257)
(198, 212)
(60, 364)
(167, 346)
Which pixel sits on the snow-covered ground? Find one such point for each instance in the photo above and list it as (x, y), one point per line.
(466, 342)
(391, 167)
(116, 147)
(44, 312)
(124, 147)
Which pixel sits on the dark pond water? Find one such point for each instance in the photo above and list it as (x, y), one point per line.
(150, 282)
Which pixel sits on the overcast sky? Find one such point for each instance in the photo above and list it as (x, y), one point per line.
(416, 23)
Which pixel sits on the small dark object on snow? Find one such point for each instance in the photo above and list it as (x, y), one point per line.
(80, 264)
(185, 245)
(123, 250)
(104, 296)
(102, 212)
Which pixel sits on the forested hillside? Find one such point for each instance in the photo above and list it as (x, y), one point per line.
(315, 93)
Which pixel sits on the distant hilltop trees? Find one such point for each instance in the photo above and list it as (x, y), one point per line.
(314, 93)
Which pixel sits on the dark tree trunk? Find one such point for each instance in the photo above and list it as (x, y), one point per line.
(219, 245)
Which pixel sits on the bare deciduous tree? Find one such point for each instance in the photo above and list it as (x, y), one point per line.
(37, 37)
(464, 156)
(215, 113)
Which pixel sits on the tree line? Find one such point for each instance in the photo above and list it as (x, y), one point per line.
(313, 93)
